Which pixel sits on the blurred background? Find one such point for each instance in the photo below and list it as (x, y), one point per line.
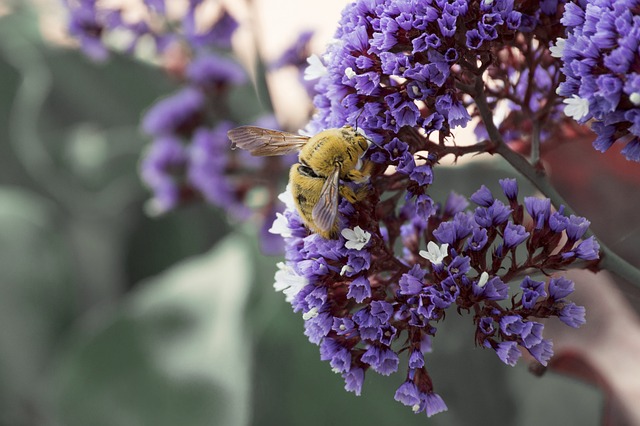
(111, 317)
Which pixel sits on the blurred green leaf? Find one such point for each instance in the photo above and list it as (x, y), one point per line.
(35, 300)
(176, 353)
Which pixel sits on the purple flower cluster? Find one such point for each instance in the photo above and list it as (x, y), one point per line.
(600, 58)
(296, 55)
(188, 158)
(364, 305)
(91, 21)
(396, 64)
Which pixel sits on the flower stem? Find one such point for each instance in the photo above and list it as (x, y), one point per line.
(609, 260)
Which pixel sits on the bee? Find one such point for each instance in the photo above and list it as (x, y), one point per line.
(325, 159)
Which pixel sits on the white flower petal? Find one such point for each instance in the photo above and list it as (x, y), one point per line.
(634, 98)
(288, 282)
(287, 198)
(356, 238)
(281, 226)
(484, 277)
(316, 68)
(313, 312)
(435, 254)
(349, 72)
(345, 269)
(558, 49)
(576, 107)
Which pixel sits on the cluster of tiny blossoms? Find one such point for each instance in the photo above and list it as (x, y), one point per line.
(398, 65)
(399, 71)
(188, 158)
(364, 305)
(600, 56)
(97, 25)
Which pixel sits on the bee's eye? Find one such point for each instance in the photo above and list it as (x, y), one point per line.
(307, 171)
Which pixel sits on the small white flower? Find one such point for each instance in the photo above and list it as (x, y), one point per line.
(577, 108)
(316, 68)
(558, 49)
(345, 269)
(281, 226)
(288, 282)
(415, 408)
(356, 238)
(287, 198)
(313, 312)
(484, 277)
(435, 254)
(350, 73)
(635, 98)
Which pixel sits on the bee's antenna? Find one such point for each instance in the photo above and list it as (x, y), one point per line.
(358, 116)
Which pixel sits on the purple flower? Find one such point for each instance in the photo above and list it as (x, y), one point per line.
(542, 352)
(338, 356)
(455, 204)
(416, 359)
(576, 227)
(218, 34)
(381, 310)
(408, 394)
(422, 174)
(483, 197)
(531, 292)
(485, 325)
(383, 360)
(512, 325)
(539, 209)
(531, 334)
(297, 54)
(177, 114)
(560, 287)
(601, 45)
(317, 327)
(514, 235)
(558, 222)
(213, 71)
(508, 352)
(353, 380)
(343, 326)
(494, 289)
(162, 169)
(495, 214)
(459, 265)
(412, 282)
(433, 404)
(359, 289)
(86, 24)
(419, 62)
(510, 188)
(478, 239)
(572, 315)
(588, 249)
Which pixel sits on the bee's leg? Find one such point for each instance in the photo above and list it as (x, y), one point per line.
(362, 175)
(349, 194)
(354, 196)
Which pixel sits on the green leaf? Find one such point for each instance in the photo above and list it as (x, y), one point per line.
(177, 352)
(35, 299)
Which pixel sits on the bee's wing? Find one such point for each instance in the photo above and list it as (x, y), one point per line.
(325, 211)
(259, 141)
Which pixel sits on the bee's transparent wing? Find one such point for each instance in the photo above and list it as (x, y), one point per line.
(262, 142)
(325, 212)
